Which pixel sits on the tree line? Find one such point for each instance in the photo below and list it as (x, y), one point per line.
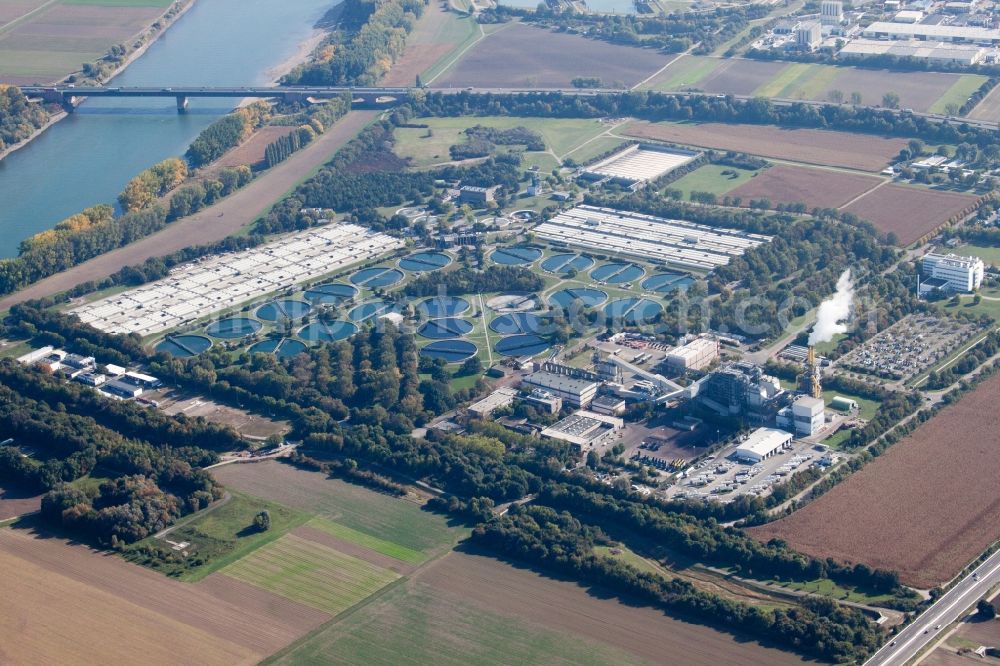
(19, 119)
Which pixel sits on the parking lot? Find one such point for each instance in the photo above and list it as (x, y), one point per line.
(908, 347)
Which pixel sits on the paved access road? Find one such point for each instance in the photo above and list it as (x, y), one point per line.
(946, 610)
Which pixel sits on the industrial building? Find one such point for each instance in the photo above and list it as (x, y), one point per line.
(950, 272)
(805, 416)
(141, 380)
(652, 238)
(477, 196)
(831, 12)
(763, 443)
(121, 389)
(483, 409)
(543, 401)
(742, 389)
(200, 288)
(608, 405)
(958, 34)
(931, 51)
(572, 391)
(91, 378)
(584, 430)
(695, 355)
(638, 164)
(808, 35)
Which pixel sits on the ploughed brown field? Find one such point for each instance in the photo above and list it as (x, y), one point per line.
(251, 151)
(910, 212)
(924, 508)
(429, 42)
(813, 187)
(989, 108)
(566, 607)
(70, 604)
(15, 502)
(739, 77)
(809, 146)
(525, 56)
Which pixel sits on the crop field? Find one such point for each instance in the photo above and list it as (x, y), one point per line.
(561, 135)
(387, 518)
(251, 151)
(685, 72)
(885, 517)
(958, 94)
(524, 56)
(909, 212)
(808, 146)
(718, 179)
(739, 77)
(11, 10)
(813, 187)
(54, 41)
(14, 502)
(437, 34)
(988, 108)
(80, 593)
(310, 573)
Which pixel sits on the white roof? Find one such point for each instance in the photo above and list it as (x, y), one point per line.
(763, 441)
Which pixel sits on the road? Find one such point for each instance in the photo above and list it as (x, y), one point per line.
(953, 605)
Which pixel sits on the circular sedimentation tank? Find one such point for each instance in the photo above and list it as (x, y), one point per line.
(443, 306)
(373, 278)
(184, 346)
(423, 262)
(370, 309)
(451, 351)
(517, 255)
(632, 311)
(521, 345)
(516, 322)
(280, 347)
(283, 309)
(617, 273)
(233, 327)
(331, 293)
(664, 283)
(321, 331)
(448, 327)
(561, 264)
(586, 296)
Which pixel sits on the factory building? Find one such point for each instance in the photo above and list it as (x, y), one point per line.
(608, 405)
(806, 416)
(572, 391)
(543, 401)
(763, 443)
(950, 272)
(584, 430)
(695, 355)
(958, 34)
(483, 409)
(808, 35)
(121, 389)
(831, 12)
(742, 389)
(477, 196)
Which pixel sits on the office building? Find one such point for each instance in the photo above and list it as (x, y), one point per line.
(574, 392)
(950, 272)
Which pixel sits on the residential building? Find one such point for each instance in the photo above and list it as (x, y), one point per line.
(950, 272)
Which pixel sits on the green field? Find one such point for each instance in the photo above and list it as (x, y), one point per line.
(710, 178)
(561, 135)
(221, 535)
(686, 72)
(378, 545)
(989, 255)
(310, 573)
(415, 624)
(987, 306)
(958, 93)
(598, 146)
(800, 81)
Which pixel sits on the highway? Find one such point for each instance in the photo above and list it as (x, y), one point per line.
(52, 93)
(907, 643)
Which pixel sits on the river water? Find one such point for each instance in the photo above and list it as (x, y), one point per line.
(88, 157)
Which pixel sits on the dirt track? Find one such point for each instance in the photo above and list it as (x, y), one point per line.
(210, 225)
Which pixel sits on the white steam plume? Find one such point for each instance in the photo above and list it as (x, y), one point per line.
(834, 311)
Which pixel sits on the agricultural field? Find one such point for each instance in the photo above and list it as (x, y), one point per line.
(523, 56)
(738, 77)
(310, 573)
(988, 108)
(561, 135)
(15, 502)
(251, 151)
(970, 635)
(380, 516)
(52, 42)
(883, 515)
(468, 609)
(824, 188)
(909, 212)
(82, 592)
(436, 36)
(808, 146)
(718, 179)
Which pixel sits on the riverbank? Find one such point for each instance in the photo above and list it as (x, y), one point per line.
(148, 36)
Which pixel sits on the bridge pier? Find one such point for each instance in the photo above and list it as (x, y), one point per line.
(182, 103)
(70, 102)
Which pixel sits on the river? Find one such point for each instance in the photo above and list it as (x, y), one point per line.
(88, 157)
